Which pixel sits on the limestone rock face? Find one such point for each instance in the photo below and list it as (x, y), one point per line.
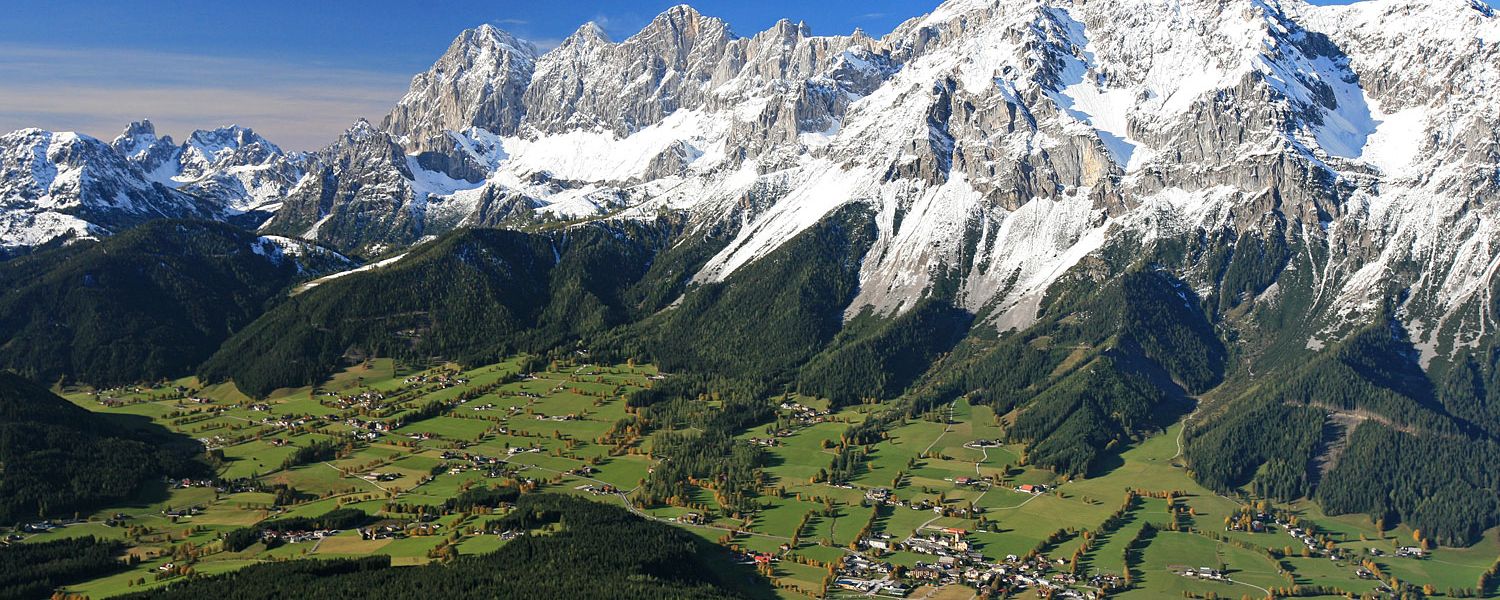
(1002, 141)
(591, 82)
(360, 189)
(478, 82)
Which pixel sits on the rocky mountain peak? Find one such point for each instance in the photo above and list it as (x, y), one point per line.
(787, 30)
(588, 34)
(477, 82)
(226, 146)
(678, 32)
(360, 130)
(231, 137)
(489, 36)
(137, 137)
(998, 139)
(154, 156)
(685, 22)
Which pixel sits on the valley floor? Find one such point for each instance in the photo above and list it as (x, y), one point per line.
(939, 486)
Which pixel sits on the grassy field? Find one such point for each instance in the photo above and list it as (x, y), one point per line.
(549, 428)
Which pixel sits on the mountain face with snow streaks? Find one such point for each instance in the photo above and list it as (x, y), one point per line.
(478, 82)
(1000, 140)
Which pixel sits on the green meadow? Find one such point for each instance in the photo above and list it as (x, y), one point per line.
(550, 428)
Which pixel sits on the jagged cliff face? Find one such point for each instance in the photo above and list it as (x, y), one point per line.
(1420, 218)
(478, 82)
(361, 187)
(1000, 142)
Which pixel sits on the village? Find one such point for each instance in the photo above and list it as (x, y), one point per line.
(956, 562)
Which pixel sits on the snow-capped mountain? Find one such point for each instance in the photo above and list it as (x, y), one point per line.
(62, 184)
(1007, 139)
(478, 82)
(231, 167)
(57, 185)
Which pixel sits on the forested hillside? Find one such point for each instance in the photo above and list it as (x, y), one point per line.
(58, 458)
(577, 549)
(471, 297)
(35, 570)
(150, 303)
(767, 319)
(1103, 365)
(1401, 456)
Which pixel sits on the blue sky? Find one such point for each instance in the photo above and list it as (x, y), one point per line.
(300, 71)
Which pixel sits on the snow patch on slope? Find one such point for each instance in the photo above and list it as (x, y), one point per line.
(1086, 97)
(599, 156)
(827, 187)
(1396, 142)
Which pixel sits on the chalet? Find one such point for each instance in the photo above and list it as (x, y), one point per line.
(1027, 488)
(599, 490)
(1208, 573)
(182, 512)
(925, 573)
(38, 527)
